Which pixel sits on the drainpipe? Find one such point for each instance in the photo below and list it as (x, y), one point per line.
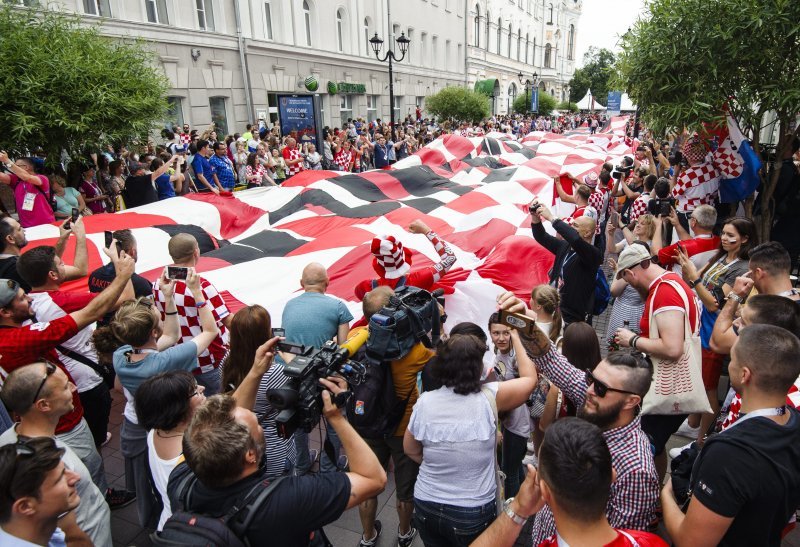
(248, 91)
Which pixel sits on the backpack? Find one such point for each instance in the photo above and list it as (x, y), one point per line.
(602, 293)
(185, 527)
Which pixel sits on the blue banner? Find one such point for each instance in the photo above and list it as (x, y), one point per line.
(296, 114)
(535, 100)
(614, 105)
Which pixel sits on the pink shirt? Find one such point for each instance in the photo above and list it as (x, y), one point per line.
(42, 212)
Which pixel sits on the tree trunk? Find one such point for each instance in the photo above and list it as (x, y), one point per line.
(784, 145)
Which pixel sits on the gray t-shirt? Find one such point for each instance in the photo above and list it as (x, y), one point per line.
(93, 514)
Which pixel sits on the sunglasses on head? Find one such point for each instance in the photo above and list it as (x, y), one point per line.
(600, 388)
(50, 369)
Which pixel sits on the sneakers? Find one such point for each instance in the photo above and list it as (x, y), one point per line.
(675, 452)
(313, 455)
(108, 439)
(406, 540)
(117, 499)
(686, 431)
(374, 541)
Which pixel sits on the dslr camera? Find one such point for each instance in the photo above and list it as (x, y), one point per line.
(661, 207)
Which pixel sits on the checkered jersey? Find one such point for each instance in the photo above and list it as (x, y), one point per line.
(599, 200)
(697, 185)
(632, 502)
(186, 138)
(343, 159)
(189, 320)
(293, 154)
(792, 399)
(639, 206)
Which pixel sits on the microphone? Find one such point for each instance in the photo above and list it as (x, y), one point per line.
(355, 343)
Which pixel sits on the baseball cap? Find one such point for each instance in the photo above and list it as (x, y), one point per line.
(8, 291)
(632, 256)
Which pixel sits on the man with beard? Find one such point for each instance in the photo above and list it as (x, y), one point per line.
(608, 396)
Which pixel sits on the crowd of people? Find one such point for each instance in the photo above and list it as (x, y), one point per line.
(504, 430)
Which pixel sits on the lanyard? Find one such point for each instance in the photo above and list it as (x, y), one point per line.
(790, 292)
(778, 411)
(138, 352)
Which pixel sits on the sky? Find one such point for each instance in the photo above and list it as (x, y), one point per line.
(602, 22)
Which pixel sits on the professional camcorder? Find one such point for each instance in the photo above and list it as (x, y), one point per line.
(620, 169)
(300, 398)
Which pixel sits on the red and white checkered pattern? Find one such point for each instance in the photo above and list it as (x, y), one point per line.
(186, 138)
(343, 159)
(696, 185)
(728, 162)
(639, 207)
(792, 399)
(391, 260)
(292, 154)
(189, 320)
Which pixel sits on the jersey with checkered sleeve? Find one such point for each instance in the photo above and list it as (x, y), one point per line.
(293, 154)
(696, 185)
(639, 206)
(189, 320)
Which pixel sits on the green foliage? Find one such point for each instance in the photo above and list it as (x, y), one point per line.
(690, 57)
(65, 86)
(458, 103)
(522, 104)
(567, 106)
(594, 74)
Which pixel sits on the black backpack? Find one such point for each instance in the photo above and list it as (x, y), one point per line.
(187, 528)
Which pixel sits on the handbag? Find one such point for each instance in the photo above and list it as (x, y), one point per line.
(499, 476)
(677, 386)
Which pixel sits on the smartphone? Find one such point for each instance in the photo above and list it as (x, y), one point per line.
(109, 238)
(288, 347)
(75, 214)
(526, 325)
(278, 332)
(177, 272)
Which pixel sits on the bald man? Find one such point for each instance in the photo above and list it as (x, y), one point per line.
(312, 319)
(576, 260)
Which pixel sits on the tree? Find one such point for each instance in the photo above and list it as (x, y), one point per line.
(522, 104)
(567, 106)
(65, 87)
(688, 61)
(458, 103)
(594, 74)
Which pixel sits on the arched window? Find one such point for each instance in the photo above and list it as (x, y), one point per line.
(519, 46)
(499, 35)
(307, 21)
(527, 46)
(550, 20)
(477, 26)
(512, 96)
(571, 43)
(547, 50)
(510, 34)
(367, 47)
(339, 31)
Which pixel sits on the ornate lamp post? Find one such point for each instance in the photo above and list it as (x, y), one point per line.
(529, 84)
(390, 56)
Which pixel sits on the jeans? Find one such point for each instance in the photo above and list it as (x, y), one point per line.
(210, 380)
(514, 449)
(325, 464)
(443, 525)
(303, 461)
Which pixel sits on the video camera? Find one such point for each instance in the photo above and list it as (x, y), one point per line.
(300, 398)
(661, 207)
(620, 169)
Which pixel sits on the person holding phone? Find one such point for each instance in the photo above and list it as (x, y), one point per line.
(66, 199)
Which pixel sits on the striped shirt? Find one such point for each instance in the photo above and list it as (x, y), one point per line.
(632, 502)
(279, 450)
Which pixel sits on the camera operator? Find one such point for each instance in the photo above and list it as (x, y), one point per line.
(701, 248)
(224, 448)
(576, 260)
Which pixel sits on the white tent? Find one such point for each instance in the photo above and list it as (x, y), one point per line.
(589, 102)
(626, 105)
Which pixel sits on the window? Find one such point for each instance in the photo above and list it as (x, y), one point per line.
(510, 37)
(26, 3)
(372, 108)
(268, 21)
(157, 11)
(395, 36)
(97, 7)
(571, 43)
(219, 116)
(396, 108)
(477, 29)
(174, 113)
(527, 46)
(367, 37)
(307, 21)
(410, 52)
(447, 55)
(458, 57)
(346, 108)
(550, 8)
(205, 15)
(512, 96)
(534, 52)
(435, 52)
(488, 19)
(519, 46)
(339, 31)
(499, 34)
(423, 51)
(547, 50)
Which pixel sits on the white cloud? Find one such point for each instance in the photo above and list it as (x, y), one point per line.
(603, 22)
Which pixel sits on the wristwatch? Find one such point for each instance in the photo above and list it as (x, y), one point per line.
(736, 298)
(518, 519)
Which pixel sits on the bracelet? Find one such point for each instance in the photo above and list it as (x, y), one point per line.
(694, 283)
(633, 340)
(200, 304)
(171, 313)
(736, 298)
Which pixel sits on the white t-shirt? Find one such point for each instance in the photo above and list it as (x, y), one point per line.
(160, 469)
(517, 421)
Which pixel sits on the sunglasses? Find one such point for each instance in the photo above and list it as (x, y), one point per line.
(600, 388)
(50, 369)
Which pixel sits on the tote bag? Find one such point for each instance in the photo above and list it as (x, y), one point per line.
(677, 386)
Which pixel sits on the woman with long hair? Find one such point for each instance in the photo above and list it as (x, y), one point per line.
(251, 327)
(545, 301)
(453, 435)
(712, 284)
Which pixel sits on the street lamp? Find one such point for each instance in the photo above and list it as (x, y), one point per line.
(529, 84)
(377, 44)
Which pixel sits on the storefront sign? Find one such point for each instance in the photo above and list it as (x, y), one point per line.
(348, 88)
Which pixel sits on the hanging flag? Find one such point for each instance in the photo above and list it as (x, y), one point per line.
(738, 165)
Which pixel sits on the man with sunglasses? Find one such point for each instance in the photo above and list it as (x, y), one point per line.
(22, 344)
(610, 397)
(38, 496)
(40, 394)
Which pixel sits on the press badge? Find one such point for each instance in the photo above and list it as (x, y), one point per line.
(27, 204)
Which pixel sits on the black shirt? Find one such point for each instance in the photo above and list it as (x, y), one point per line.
(751, 472)
(103, 276)
(139, 191)
(297, 506)
(8, 270)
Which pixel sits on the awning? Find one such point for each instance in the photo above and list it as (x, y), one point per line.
(486, 86)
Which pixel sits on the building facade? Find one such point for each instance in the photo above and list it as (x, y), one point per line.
(227, 60)
(509, 37)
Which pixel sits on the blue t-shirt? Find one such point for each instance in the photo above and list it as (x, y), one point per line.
(201, 165)
(131, 375)
(312, 318)
(381, 155)
(164, 187)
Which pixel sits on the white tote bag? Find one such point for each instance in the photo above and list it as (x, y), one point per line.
(677, 386)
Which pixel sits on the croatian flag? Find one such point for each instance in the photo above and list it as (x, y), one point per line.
(738, 165)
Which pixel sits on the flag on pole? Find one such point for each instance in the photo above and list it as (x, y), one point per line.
(738, 165)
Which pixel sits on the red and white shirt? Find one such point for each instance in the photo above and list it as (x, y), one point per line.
(585, 211)
(792, 399)
(189, 320)
(344, 159)
(599, 201)
(639, 206)
(700, 249)
(292, 154)
(625, 538)
(51, 305)
(664, 297)
(185, 138)
(696, 185)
